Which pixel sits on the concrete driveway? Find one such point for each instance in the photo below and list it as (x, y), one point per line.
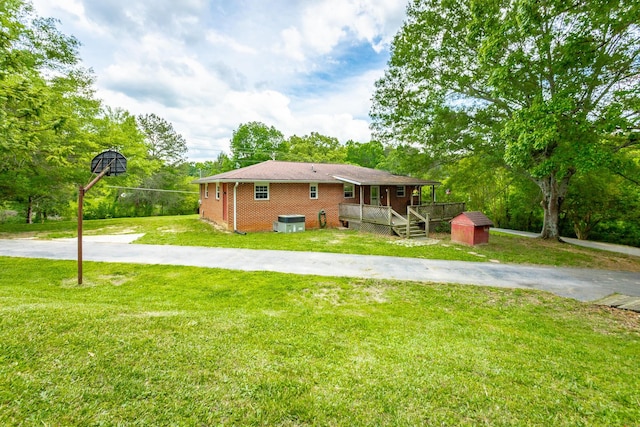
(580, 284)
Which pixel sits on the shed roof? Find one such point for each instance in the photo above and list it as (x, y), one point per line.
(278, 171)
(475, 218)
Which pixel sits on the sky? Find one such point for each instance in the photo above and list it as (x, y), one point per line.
(208, 66)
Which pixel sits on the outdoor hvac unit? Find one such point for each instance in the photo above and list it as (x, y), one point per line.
(289, 223)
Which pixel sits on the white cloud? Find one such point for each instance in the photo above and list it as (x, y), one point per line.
(218, 39)
(325, 24)
(208, 66)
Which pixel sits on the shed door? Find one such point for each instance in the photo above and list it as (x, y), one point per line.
(375, 195)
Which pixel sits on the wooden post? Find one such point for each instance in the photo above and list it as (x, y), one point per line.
(408, 222)
(388, 207)
(426, 225)
(361, 202)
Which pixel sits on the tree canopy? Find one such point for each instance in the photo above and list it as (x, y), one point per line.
(314, 148)
(549, 88)
(46, 100)
(163, 142)
(255, 142)
(51, 126)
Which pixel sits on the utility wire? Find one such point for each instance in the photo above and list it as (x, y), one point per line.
(153, 189)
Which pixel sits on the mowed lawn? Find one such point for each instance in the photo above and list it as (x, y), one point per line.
(162, 345)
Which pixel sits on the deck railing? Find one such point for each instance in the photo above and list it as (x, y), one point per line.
(386, 215)
(369, 213)
(441, 211)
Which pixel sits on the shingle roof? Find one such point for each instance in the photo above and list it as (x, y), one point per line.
(278, 171)
(477, 218)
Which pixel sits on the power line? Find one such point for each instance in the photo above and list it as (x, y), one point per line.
(153, 189)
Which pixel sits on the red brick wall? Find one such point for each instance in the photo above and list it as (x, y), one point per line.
(287, 199)
(210, 207)
(284, 199)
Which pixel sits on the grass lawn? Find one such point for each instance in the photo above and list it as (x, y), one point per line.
(162, 345)
(189, 230)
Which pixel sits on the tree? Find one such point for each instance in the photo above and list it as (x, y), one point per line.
(369, 154)
(550, 88)
(199, 169)
(255, 142)
(314, 148)
(46, 101)
(163, 142)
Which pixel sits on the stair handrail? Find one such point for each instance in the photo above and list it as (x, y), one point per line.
(397, 215)
(411, 211)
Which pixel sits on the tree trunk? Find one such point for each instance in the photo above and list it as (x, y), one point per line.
(553, 194)
(30, 210)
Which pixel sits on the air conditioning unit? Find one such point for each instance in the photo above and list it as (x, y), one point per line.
(289, 224)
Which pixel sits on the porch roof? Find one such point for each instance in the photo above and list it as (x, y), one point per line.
(296, 172)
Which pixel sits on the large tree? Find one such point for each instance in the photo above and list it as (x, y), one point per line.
(368, 154)
(255, 142)
(315, 148)
(549, 87)
(163, 142)
(46, 102)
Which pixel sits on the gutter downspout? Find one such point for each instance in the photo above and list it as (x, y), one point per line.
(235, 207)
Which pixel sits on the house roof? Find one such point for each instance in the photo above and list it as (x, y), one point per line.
(278, 171)
(475, 218)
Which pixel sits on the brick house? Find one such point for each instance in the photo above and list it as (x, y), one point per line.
(252, 198)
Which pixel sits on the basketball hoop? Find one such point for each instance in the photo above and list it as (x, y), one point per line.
(106, 163)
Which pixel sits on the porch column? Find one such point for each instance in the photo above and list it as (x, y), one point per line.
(388, 207)
(361, 202)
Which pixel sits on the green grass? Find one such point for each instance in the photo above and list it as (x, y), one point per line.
(161, 345)
(190, 231)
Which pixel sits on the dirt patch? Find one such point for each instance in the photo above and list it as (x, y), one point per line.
(216, 226)
(624, 319)
(410, 243)
(111, 229)
(111, 279)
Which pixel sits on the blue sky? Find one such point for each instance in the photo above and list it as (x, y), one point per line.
(209, 65)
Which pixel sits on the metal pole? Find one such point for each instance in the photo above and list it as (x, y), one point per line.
(81, 191)
(80, 203)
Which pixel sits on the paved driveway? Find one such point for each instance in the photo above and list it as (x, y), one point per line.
(610, 247)
(580, 284)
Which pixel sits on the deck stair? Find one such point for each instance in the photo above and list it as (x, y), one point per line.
(413, 226)
(415, 231)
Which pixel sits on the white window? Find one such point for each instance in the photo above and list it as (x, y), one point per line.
(217, 191)
(206, 191)
(261, 191)
(348, 191)
(313, 191)
(400, 191)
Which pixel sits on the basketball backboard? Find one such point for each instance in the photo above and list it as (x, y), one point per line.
(116, 162)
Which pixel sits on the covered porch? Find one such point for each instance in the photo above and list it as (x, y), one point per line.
(394, 205)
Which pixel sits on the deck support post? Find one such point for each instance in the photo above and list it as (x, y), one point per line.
(408, 223)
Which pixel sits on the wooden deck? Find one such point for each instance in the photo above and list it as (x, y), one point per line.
(385, 220)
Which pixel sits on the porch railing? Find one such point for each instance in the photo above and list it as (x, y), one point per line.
(441, 211)
(386, 215)
(368, 213)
